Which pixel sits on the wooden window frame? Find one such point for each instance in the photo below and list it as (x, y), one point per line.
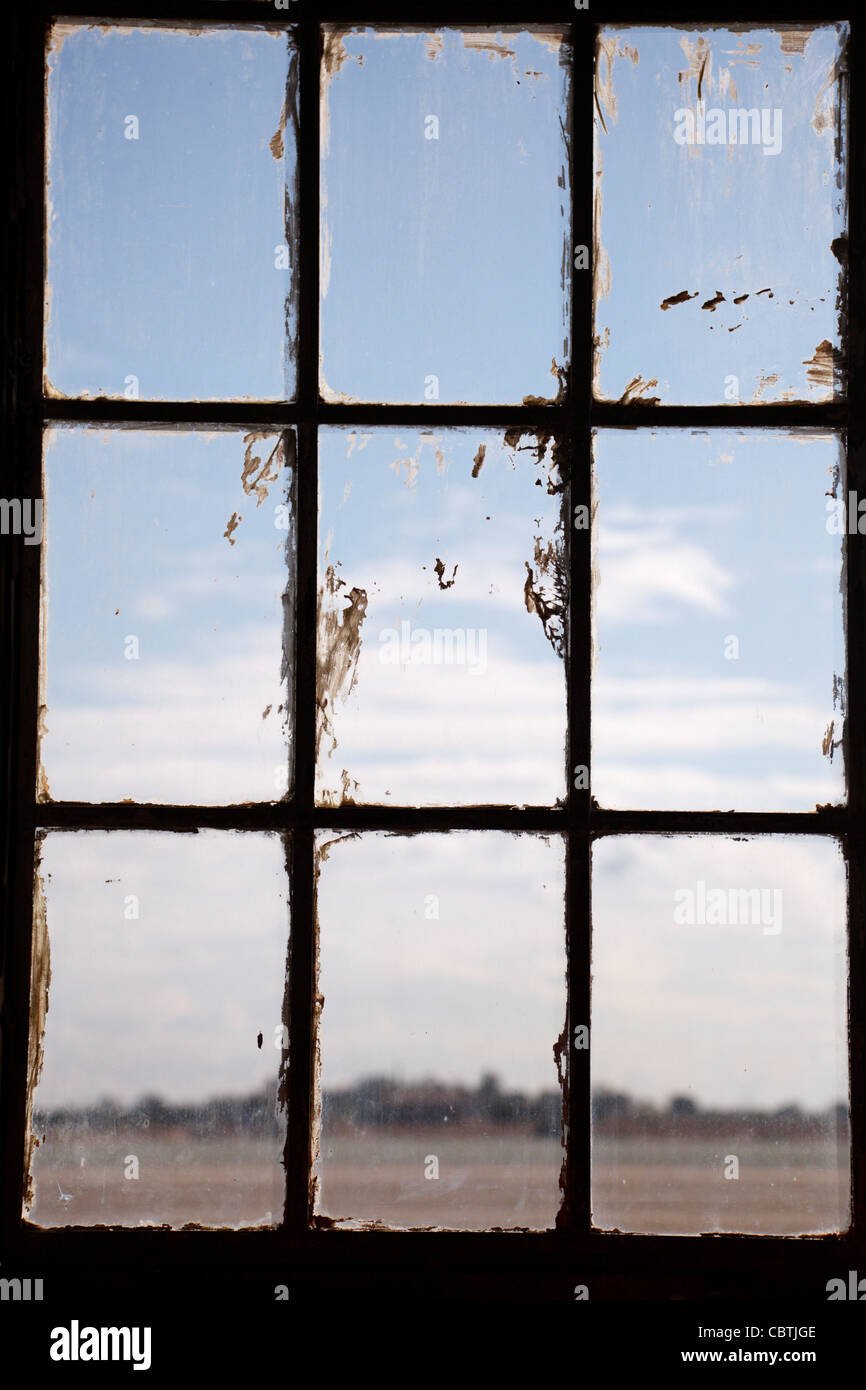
(302, 1253)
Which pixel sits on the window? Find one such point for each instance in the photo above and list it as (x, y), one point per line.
(431, 720)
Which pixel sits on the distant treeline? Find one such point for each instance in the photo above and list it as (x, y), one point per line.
(617, 1113)
(381, 1101)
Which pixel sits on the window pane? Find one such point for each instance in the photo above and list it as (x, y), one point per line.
(166, 646)
(163, 1044)
(445, 197)
(719, 621)
(720, 161)
(719, 1019)
(442, 617)
(442, 969)
(171, 199)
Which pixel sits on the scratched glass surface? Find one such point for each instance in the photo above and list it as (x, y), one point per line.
(166, 649)
(159, 1098)
(442, 591)
(171, 259)
(719, 1035)
(721, 160)
(442, 970)
(720, 666)
(445, 186)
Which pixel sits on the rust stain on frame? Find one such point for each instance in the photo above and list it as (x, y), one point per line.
(487, 41)
(256, 477)
(276, 144)
(829, 744)
(561, 1061)
(823, 368)
(674, 299)
(334, 51)
(595, 567)
(43, 790)
(766, 382)
(545, 591)
(439, 569)
(637, 389)
(287, 657)
(609, 47)
(321, 851)
(433, 44)
(335, 55)
(40, 981)
(840, 681)
(545, 587)
(793, 40)
(840, 703)
(699, 69)
(338, 647)
(560, 376)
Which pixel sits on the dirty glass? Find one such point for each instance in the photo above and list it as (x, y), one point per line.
(167, 603)
(442, 973)
(445, 191)
(720, 214)
(719, 1034)
(719, 1045)
(159, 1100)
(719, 638)
(441, 627)
(171, 251)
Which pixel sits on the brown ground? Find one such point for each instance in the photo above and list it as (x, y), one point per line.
(502, 1179)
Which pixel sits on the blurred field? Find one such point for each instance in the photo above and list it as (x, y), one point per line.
(505, 1177)
(224, 1180)
(672, 1186)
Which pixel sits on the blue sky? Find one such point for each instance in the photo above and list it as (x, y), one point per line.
(716, 219)
(393, 503)
(161, 249)
(728, 1014)
(445, 256)
(136, 548)
(442, 257)
(718, 620)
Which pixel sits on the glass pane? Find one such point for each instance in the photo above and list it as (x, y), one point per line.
(159, 1097)
(171, 200)
(443, 582)
(442, 969)
(168, 591)
(445, 215)
(719, 1035)
(720, 673)
(720, 154)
